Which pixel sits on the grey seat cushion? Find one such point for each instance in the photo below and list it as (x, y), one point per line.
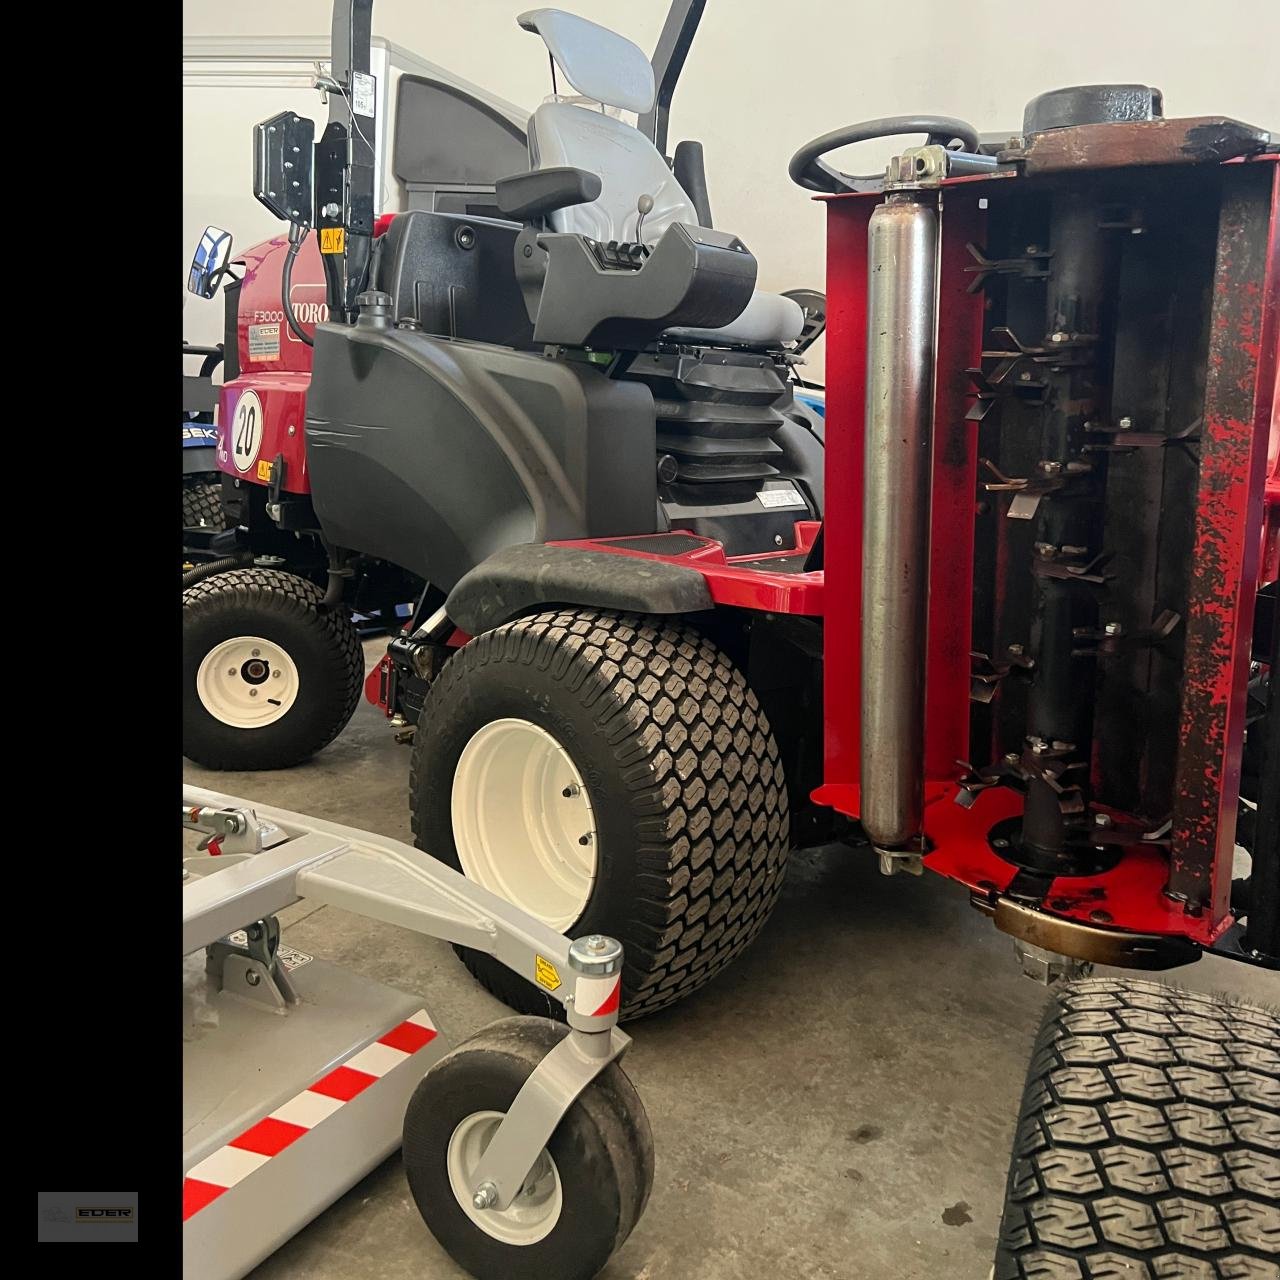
(767, 320)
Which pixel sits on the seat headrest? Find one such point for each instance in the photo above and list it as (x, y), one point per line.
(599, 63)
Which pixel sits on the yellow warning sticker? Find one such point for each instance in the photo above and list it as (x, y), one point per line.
(545, 972)
(264, 471)
(332, 239)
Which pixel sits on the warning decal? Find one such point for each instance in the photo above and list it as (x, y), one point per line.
(784, 496)
(546, 973)
(363, 93)
(264, 471)
(332, 239)
(288, 956)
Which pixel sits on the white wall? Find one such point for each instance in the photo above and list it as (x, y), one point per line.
(764, 76)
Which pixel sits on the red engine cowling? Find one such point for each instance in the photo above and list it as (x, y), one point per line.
(261, 412)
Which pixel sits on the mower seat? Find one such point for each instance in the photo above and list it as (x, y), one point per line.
(609, 69)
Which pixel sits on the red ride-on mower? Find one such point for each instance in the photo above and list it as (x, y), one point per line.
(449, 276)
(599, 366)
(1043, 666)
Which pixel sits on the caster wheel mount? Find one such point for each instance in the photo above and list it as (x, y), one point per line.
(585, 1191)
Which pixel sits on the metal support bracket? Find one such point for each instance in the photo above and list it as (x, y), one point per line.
(1031, 265)
(1081, 941)
(231, 830)
(545, 1096)
(247, 978)
(253, 971)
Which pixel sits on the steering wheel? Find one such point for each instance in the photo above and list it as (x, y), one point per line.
(811, 173)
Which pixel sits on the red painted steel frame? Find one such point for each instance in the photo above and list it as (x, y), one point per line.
(1132, 896)
(1244, 332)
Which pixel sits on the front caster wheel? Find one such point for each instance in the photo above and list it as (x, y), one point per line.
(585, 1192)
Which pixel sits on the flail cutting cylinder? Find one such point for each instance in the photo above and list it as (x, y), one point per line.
(901, 343)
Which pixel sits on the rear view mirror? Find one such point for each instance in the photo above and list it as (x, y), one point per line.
(213, 253)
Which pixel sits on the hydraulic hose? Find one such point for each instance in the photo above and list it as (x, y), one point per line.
(297, 235)
(211, 567)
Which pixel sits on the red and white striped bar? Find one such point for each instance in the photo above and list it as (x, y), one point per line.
(243, 1200)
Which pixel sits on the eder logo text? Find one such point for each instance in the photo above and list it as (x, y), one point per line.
(104, 1213)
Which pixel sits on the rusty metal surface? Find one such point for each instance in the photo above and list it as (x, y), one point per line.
(1090, 942)
(1228, 527)
(1194, 140)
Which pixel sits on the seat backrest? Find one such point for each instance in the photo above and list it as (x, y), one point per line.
(607, 68)
(627, 164)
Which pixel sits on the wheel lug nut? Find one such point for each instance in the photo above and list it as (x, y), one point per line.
(254, 652)
(253, 693)
(231, 671)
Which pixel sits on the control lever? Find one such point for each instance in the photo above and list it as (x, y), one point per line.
(644, 206)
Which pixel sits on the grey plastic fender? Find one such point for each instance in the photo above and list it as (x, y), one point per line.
(521, 579)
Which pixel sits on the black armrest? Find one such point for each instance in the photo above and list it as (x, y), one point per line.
(529, 196)
(694, 278)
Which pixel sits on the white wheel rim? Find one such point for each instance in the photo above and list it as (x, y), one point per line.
(532, 1214)
(523, 824)
(247, 682)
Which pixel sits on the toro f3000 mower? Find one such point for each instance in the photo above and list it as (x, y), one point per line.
(599, 366)
(1041, 666)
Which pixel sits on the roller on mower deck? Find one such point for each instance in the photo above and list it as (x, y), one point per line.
(1014, 622)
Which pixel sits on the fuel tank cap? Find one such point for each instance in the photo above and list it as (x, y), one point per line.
(1092, 104)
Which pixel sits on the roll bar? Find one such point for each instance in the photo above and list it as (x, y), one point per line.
(344, 162)
(668, 59)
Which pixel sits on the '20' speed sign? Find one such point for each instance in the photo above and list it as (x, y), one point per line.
(246, 431)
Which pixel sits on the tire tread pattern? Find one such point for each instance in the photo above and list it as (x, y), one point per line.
(202, 507)
(1148, 1144)
(291, 595)
(707, 794)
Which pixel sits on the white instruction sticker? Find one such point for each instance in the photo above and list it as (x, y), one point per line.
(290, 957)
(784, 497)
(264, 342)
(362, 93)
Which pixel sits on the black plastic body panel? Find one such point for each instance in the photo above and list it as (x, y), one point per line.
(433, 454)
(804, 450)
(200, 462)
(735, 514)
(522, 579)
(693, 277)
(443, 134)
(231, 330)
(454, 275)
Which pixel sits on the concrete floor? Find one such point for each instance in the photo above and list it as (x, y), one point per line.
(839, 1103)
